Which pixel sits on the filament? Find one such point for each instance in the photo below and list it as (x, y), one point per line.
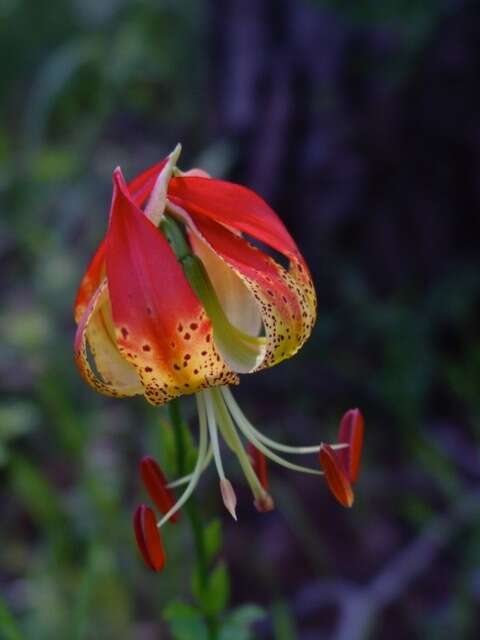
(205, 399)
(199, 465)
(230, 434)
(250, 433)
(184, 479)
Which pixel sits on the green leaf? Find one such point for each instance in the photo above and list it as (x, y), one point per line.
(185, 621)
(246, 615)
(218, 592)
(283, 621)
(213, 597)
(8, 627)
(213, 538)
(238, 623)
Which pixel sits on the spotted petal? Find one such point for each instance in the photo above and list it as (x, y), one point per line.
(284, 299)
(113, 375)
(161, 328)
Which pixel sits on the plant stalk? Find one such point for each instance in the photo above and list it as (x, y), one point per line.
(193, 513)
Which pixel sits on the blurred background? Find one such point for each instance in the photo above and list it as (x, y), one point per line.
(360, 123)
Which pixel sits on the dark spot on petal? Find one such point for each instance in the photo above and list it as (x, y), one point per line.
(148, 369)
(146, 347)
(124, 332)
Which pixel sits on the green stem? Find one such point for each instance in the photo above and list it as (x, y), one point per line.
(192, 511)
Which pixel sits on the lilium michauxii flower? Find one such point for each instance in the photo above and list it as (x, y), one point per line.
(177, 300)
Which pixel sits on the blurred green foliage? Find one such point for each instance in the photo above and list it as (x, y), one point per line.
(87, 85)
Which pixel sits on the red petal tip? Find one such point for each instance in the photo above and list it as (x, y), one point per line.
(335, 475)
(259, 463)
(351, 432)
(148, 537)
(155, 483)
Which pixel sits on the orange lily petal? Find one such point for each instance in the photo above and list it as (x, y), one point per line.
(117, 378)
(234, 206)
(335, 476)
(90, 281)
(351, 433)
(285, 299)
(140, 189)
(160, 326)
(148, 538)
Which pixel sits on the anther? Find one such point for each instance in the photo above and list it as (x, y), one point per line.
(265, 503)
(228, 496)
(259, 463)
(351, 433)
(148, 537)
(156, 483)
(335, 475)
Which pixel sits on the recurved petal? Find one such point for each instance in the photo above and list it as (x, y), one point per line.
(113, 375)
(234, 206)
(160, 326)
(285, 300)
(141, 186)
(140, 189)
(90, 281)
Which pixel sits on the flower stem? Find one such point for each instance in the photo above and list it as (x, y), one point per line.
(193, 513)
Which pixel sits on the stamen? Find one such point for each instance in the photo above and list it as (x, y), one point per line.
(250, 433)
(156, 486)
(335, 475)
(351, 433)
(184, 479)
(226, 489)
(279, 446)
(229, 497)
(229, 433)
(148, 537)
(199, 465)
(259, 464)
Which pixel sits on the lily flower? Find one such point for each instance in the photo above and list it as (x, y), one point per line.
(182, 296)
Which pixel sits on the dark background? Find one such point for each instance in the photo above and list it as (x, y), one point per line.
(360, 122)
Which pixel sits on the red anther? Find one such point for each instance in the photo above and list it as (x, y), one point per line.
(351, 433)
(259, 463)
(156, 485)
(265, 503)
(335, 475)
(148, 537)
